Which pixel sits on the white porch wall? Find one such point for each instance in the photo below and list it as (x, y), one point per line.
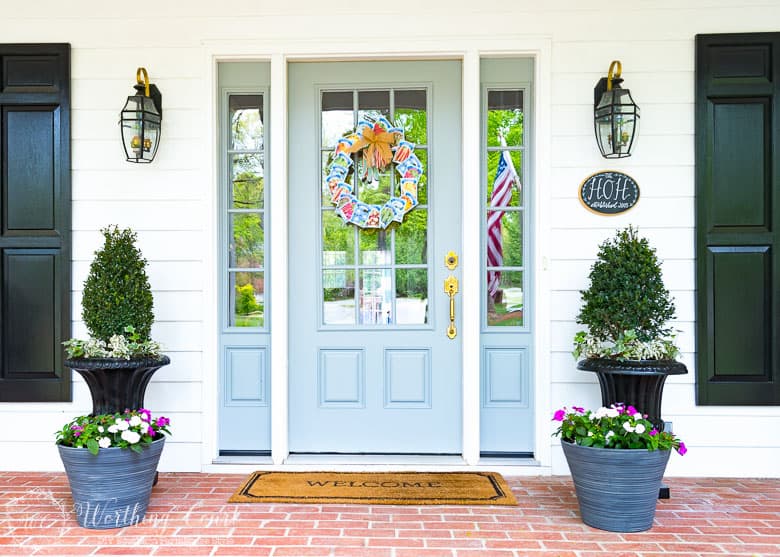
(167, 200)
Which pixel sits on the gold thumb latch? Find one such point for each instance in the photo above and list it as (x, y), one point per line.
(451, 288)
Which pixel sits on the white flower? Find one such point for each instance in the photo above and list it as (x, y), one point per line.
(612, 413)
(131, 437)
(600, 413)
(113, 428)
(121, 424)
(638, 415)
(101, 429)
(639, 428)
(104, 442)
(590, 434)
(608, 435)
(135, 421)
(627, 426)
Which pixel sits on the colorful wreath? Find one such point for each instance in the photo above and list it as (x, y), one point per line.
(382, 144)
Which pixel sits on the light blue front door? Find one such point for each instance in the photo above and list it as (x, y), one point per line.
(371, 367)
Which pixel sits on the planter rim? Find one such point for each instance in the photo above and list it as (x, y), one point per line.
(116, 363)
(632, 367)
(611, 451)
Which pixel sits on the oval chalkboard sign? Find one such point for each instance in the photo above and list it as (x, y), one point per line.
(609, 192)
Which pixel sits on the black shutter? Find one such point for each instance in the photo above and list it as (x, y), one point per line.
(738, 218)
(34, 221)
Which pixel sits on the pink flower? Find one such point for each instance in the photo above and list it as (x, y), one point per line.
(559, 415)
(631, 410)
(150, 431)
(653, 432)
(162, 422)
(682, 449)
(579, 409)
(146, 415)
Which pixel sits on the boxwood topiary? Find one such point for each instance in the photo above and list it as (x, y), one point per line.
(117, 293)
(626, 307)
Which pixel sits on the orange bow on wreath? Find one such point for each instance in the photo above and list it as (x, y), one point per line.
(377, 143)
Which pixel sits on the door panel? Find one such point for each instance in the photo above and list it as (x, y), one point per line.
(371, 367)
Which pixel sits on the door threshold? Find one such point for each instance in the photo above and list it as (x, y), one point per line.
(243, 459)
(378, 459)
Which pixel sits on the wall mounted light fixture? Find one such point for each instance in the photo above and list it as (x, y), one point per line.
(615, 115)
(141, 119)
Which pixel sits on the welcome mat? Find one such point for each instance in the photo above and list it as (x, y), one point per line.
(376, 488)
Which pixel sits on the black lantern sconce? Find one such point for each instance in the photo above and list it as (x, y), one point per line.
(140, 120)
(615, 115)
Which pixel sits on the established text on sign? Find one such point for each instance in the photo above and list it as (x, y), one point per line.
(609, 192)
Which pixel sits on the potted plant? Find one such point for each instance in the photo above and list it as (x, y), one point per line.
(626, 308)
(617, 459)
(120, 357)
(110, 461)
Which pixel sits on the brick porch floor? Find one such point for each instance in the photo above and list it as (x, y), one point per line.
(189, 516)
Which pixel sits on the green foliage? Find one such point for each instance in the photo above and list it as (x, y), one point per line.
(626, 307)
(127, 346)
(245, 300)
(616, 427)
(132, 429)
(117, 292)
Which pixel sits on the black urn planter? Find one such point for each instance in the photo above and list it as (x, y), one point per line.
(116, 384)
(638, 383)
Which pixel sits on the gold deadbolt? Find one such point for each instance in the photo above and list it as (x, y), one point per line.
(451, 260)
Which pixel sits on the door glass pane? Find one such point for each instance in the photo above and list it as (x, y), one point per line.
(505, 305)
(338, 294)
(247, 240)
(411, 291)
(507, 180)
(337, 116)
(246, 181)
(372, 105)
(505, 117)
(246, 122)
(505, 238)
(375, 297)
(247, 299)
(411, 238)
(411, 115)
(422, 185)
(374, 247)
(338, 241)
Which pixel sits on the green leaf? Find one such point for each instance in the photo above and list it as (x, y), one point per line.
(93, 446)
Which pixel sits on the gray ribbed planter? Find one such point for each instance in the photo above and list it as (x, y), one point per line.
(617, 489)
(112, 488)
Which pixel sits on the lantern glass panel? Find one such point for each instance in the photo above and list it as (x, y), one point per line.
(617, 122)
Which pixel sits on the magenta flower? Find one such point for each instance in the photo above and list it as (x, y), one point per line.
(162, 422)
(150, 431)
(631, 410)
(653, 432)
(579, 409)
(559, 415)
(146, 415)
(682, 449)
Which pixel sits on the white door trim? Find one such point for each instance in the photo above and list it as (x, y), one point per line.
(470, 52)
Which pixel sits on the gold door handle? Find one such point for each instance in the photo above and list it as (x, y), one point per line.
(451, 288)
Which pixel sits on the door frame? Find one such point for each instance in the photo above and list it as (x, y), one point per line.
(469, 54)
